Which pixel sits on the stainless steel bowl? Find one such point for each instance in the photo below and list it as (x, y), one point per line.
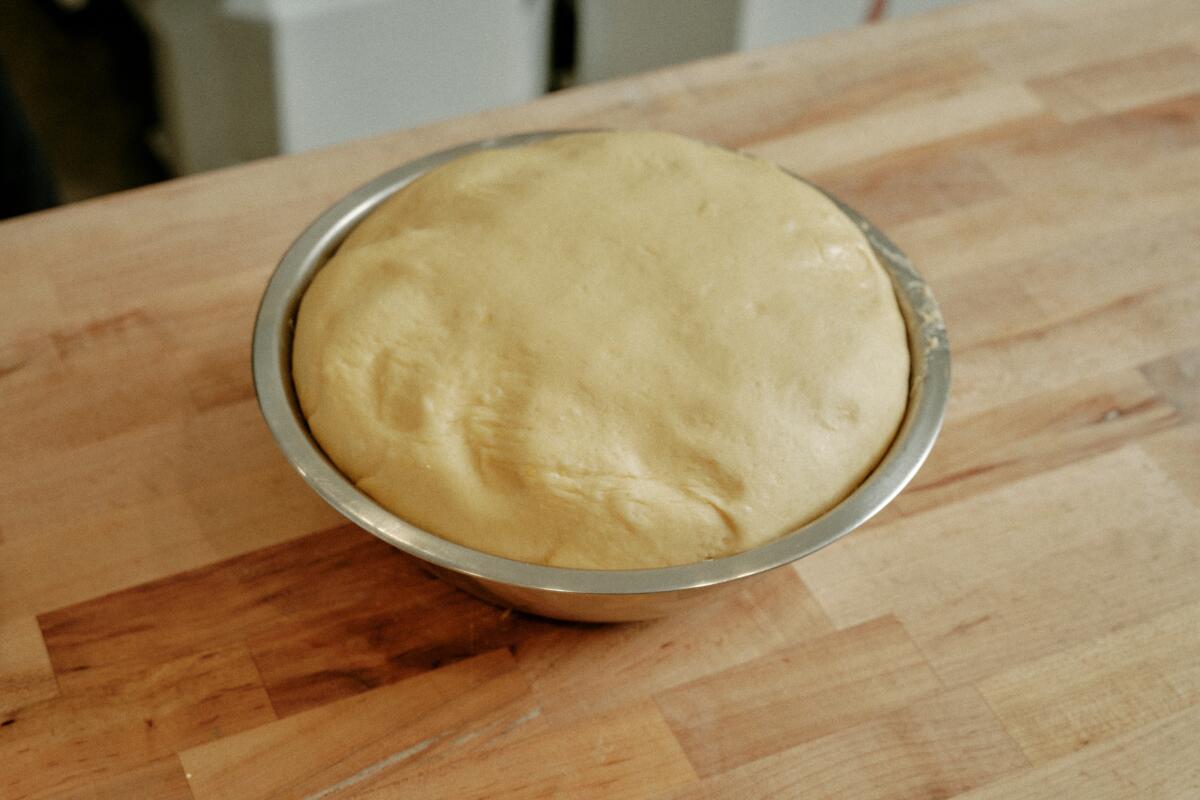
(589, 595)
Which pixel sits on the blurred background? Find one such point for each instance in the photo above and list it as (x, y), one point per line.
(103, 95)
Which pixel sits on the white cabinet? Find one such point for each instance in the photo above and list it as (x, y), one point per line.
(768, 22)
(621, 37)
(242, 79)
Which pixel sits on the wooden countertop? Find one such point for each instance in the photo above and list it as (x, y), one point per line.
(181, 617)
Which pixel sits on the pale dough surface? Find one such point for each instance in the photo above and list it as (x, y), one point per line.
(608, 350)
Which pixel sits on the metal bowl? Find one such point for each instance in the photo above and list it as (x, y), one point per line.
(578, 594)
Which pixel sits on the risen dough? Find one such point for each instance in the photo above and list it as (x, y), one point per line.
(605, 350)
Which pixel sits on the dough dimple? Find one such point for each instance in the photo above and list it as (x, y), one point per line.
(604, 350)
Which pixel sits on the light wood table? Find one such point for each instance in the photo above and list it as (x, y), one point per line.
(181, 617)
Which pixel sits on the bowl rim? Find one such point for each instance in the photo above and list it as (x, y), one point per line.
(929, 385)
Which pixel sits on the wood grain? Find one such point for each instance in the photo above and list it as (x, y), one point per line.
(923, 182)
(1036, 434)
(199, 477)
(1066, 186)
(877, 132)
(26, 675)
(1176, 377)
(1064, 702)
(119, 719)
(1125, 332)
(796, 694)
(346, 743)
(625, 754)
(323, 617)
(1103, 543)
(162, 779)
(937, 747)
(1158, 762)
(1175, 451)
(578, 675)
(180, 616)
(1125, 83)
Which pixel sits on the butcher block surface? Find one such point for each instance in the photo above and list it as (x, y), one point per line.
(181, 617)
